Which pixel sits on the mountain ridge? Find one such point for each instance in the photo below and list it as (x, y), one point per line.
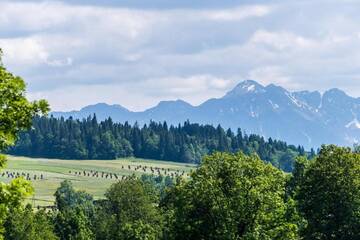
(308, 118)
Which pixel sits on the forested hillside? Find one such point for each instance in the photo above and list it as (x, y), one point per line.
(90, 139)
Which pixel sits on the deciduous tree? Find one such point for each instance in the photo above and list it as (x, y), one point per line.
(230, 196)
(16, 114)
(329, 195)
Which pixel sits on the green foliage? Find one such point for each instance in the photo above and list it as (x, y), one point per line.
(129, 212)
(73, 224)
(16, 114)
(2, 161)
(160, 183)
(88, 139)
(230, 197)
(138, 231)
(300, 166)
(67, 197)
(329, 195)
(287, 159)
(76, 210)
(24, 224)
(11, 196)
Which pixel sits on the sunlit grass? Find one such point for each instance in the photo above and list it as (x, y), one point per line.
(55, 171)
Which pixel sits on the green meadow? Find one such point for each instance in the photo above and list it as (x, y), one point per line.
(54, 171)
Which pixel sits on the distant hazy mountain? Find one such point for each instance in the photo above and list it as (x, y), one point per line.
(306, 118)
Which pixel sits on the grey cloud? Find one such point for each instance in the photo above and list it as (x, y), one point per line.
(178, 49)
(160, 4)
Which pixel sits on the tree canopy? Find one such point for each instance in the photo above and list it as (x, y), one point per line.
(131, 211)
(231, 196)
(16, 114)
(329, 195)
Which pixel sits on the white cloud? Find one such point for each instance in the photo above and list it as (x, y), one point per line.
(239, 13)
(80, 54)
(32, 16)
(60, 63)
(80, 95)
(47, 15)
(23, 51)
(195, 88)
(281, 40)
(191, 84)
(29, 52)
(273, 75)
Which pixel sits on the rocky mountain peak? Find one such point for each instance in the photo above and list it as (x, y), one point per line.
(245, 87)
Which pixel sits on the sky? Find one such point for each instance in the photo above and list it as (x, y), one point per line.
(138, 52)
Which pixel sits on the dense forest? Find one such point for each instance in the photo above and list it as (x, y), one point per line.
(189, 142)
(230, 196)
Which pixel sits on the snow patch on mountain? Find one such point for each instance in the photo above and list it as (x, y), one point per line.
(274, 105)
(294, 100)
(251, 88)
(246, 87)
(253, 113)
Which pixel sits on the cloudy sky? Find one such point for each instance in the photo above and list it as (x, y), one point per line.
(138, 52)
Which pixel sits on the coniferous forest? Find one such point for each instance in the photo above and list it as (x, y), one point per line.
(189, 142)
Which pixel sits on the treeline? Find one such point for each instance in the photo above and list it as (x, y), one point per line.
(230, 196)
(189, 142)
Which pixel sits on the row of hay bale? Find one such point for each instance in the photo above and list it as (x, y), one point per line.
(27, 176)
(145, 169)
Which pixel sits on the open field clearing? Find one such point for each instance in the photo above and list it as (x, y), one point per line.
(93, 176)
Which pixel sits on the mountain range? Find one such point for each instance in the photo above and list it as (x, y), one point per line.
(306, 118)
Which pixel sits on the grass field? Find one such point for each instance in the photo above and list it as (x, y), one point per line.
(54, 171)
